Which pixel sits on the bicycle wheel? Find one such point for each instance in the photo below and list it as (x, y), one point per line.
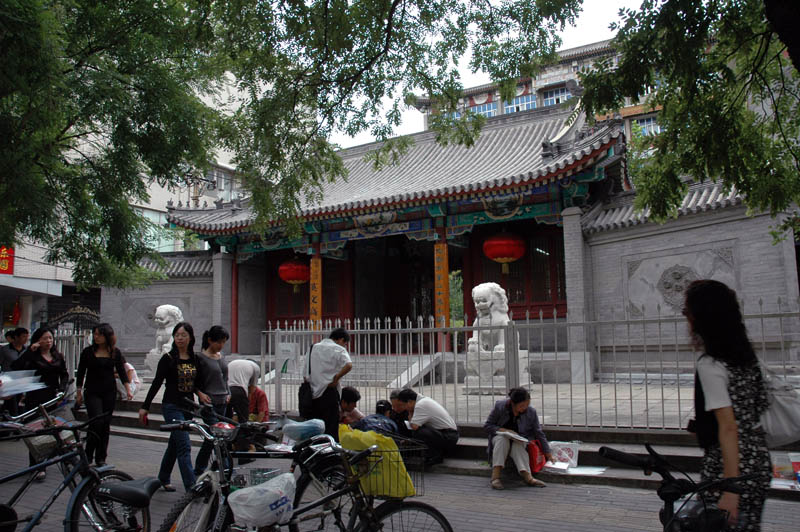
(97, 513)
(194, 512)
(407, 516)
(330, 476)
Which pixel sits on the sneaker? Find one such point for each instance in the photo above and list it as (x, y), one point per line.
(40, 476)
(99, 463)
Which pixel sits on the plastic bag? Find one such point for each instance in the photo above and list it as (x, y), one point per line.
(565, 451)
(299, 431)
(264, 504)
(386, 474)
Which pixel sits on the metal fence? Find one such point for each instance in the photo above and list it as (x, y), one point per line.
(624, 373)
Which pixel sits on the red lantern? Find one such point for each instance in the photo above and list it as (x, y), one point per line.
(504, 248)
(295, 272)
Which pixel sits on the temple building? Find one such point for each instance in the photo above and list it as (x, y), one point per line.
(540, 204)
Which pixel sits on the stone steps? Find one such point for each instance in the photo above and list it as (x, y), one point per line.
(470, 457)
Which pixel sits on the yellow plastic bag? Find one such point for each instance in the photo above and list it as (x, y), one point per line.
(389, 477)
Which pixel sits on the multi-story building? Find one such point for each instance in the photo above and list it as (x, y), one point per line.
(38, 292)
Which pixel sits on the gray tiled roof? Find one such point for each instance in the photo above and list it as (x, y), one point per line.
(183, 265)
(508, 152)
(700, 197)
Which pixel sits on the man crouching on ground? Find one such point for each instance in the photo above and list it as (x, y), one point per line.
(431, 424)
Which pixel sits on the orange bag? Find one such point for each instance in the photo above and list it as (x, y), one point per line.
(536, 456)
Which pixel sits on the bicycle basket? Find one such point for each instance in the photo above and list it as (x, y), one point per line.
(43, 447)
(395, 470)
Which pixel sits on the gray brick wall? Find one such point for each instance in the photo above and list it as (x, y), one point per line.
(131, 312)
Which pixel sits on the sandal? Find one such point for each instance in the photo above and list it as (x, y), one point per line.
(496, 484)
(167, 487)
(531, 481)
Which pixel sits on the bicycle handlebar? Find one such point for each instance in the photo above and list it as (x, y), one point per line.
(35, 410)
(627, 458)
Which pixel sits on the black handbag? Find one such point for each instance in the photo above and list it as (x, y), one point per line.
(305, 396)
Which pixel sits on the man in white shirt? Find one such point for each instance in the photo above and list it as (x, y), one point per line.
(329, 362)
(431, 423)
(242, 373)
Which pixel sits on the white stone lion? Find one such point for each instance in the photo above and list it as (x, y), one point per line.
(166, 317)
(491, 305)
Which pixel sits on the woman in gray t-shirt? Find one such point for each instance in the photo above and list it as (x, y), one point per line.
(214, 383)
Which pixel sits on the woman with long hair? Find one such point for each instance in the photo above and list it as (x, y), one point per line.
(214, 384)
(729, 399)
(178, 370)
(50, 365)
(97, 365)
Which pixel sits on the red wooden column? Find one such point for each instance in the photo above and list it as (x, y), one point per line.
(315, 287)
(441, 286)
(235, 305)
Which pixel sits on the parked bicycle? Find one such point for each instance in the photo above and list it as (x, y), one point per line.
(328, 494)
(204, 507)
(693, 514)
(102, 498)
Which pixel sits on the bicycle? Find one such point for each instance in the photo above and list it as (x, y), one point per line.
(205, 507)
(349, 499)
(694, 514)
(95, 503)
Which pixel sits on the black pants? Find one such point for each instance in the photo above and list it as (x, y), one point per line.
(239, 404)
(99, 430)
(326, 408)
(440, 443)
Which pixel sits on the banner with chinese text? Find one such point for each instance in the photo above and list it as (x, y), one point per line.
(6, 260)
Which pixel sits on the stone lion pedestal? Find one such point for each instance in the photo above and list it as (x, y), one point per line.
(165, 318)
(486, 350)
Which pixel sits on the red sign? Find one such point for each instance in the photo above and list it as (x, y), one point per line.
(6, 260)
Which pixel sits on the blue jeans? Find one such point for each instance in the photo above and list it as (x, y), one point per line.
(209, 418)
(179, 447)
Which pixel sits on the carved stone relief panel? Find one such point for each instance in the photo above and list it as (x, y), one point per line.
(655, 285)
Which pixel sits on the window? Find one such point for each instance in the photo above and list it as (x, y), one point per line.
(520, 103)
(486, 109)
(556, 96)
(649, 126)
(157, 239)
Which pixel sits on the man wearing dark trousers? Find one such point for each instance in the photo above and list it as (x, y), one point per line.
(329, 362)
(432, 424)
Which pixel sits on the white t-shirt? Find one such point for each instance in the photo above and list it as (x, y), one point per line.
(242, 373)
(714, 378)
(135, 380)
(327, 359)
(429, 412)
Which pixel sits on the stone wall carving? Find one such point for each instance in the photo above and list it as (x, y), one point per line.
(656, 282)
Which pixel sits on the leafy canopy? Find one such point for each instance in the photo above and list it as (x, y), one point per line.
(727, 96)
(100, 99)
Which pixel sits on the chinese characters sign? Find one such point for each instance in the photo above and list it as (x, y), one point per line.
(315, 289)
(441, 284)
(6, 260)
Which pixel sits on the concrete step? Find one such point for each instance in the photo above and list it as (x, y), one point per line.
(591, 470)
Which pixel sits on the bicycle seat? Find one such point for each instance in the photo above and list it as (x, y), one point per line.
(134, 493)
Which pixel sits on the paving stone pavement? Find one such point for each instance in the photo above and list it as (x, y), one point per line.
(467, 502)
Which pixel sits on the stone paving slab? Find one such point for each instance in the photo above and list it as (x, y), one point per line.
(467, 501)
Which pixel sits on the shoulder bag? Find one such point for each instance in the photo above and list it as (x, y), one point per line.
(781, 420)
(305, 396)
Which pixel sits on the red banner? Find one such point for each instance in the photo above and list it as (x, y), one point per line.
(6, 260)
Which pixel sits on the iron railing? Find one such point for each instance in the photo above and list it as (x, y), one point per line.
(629, 372)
